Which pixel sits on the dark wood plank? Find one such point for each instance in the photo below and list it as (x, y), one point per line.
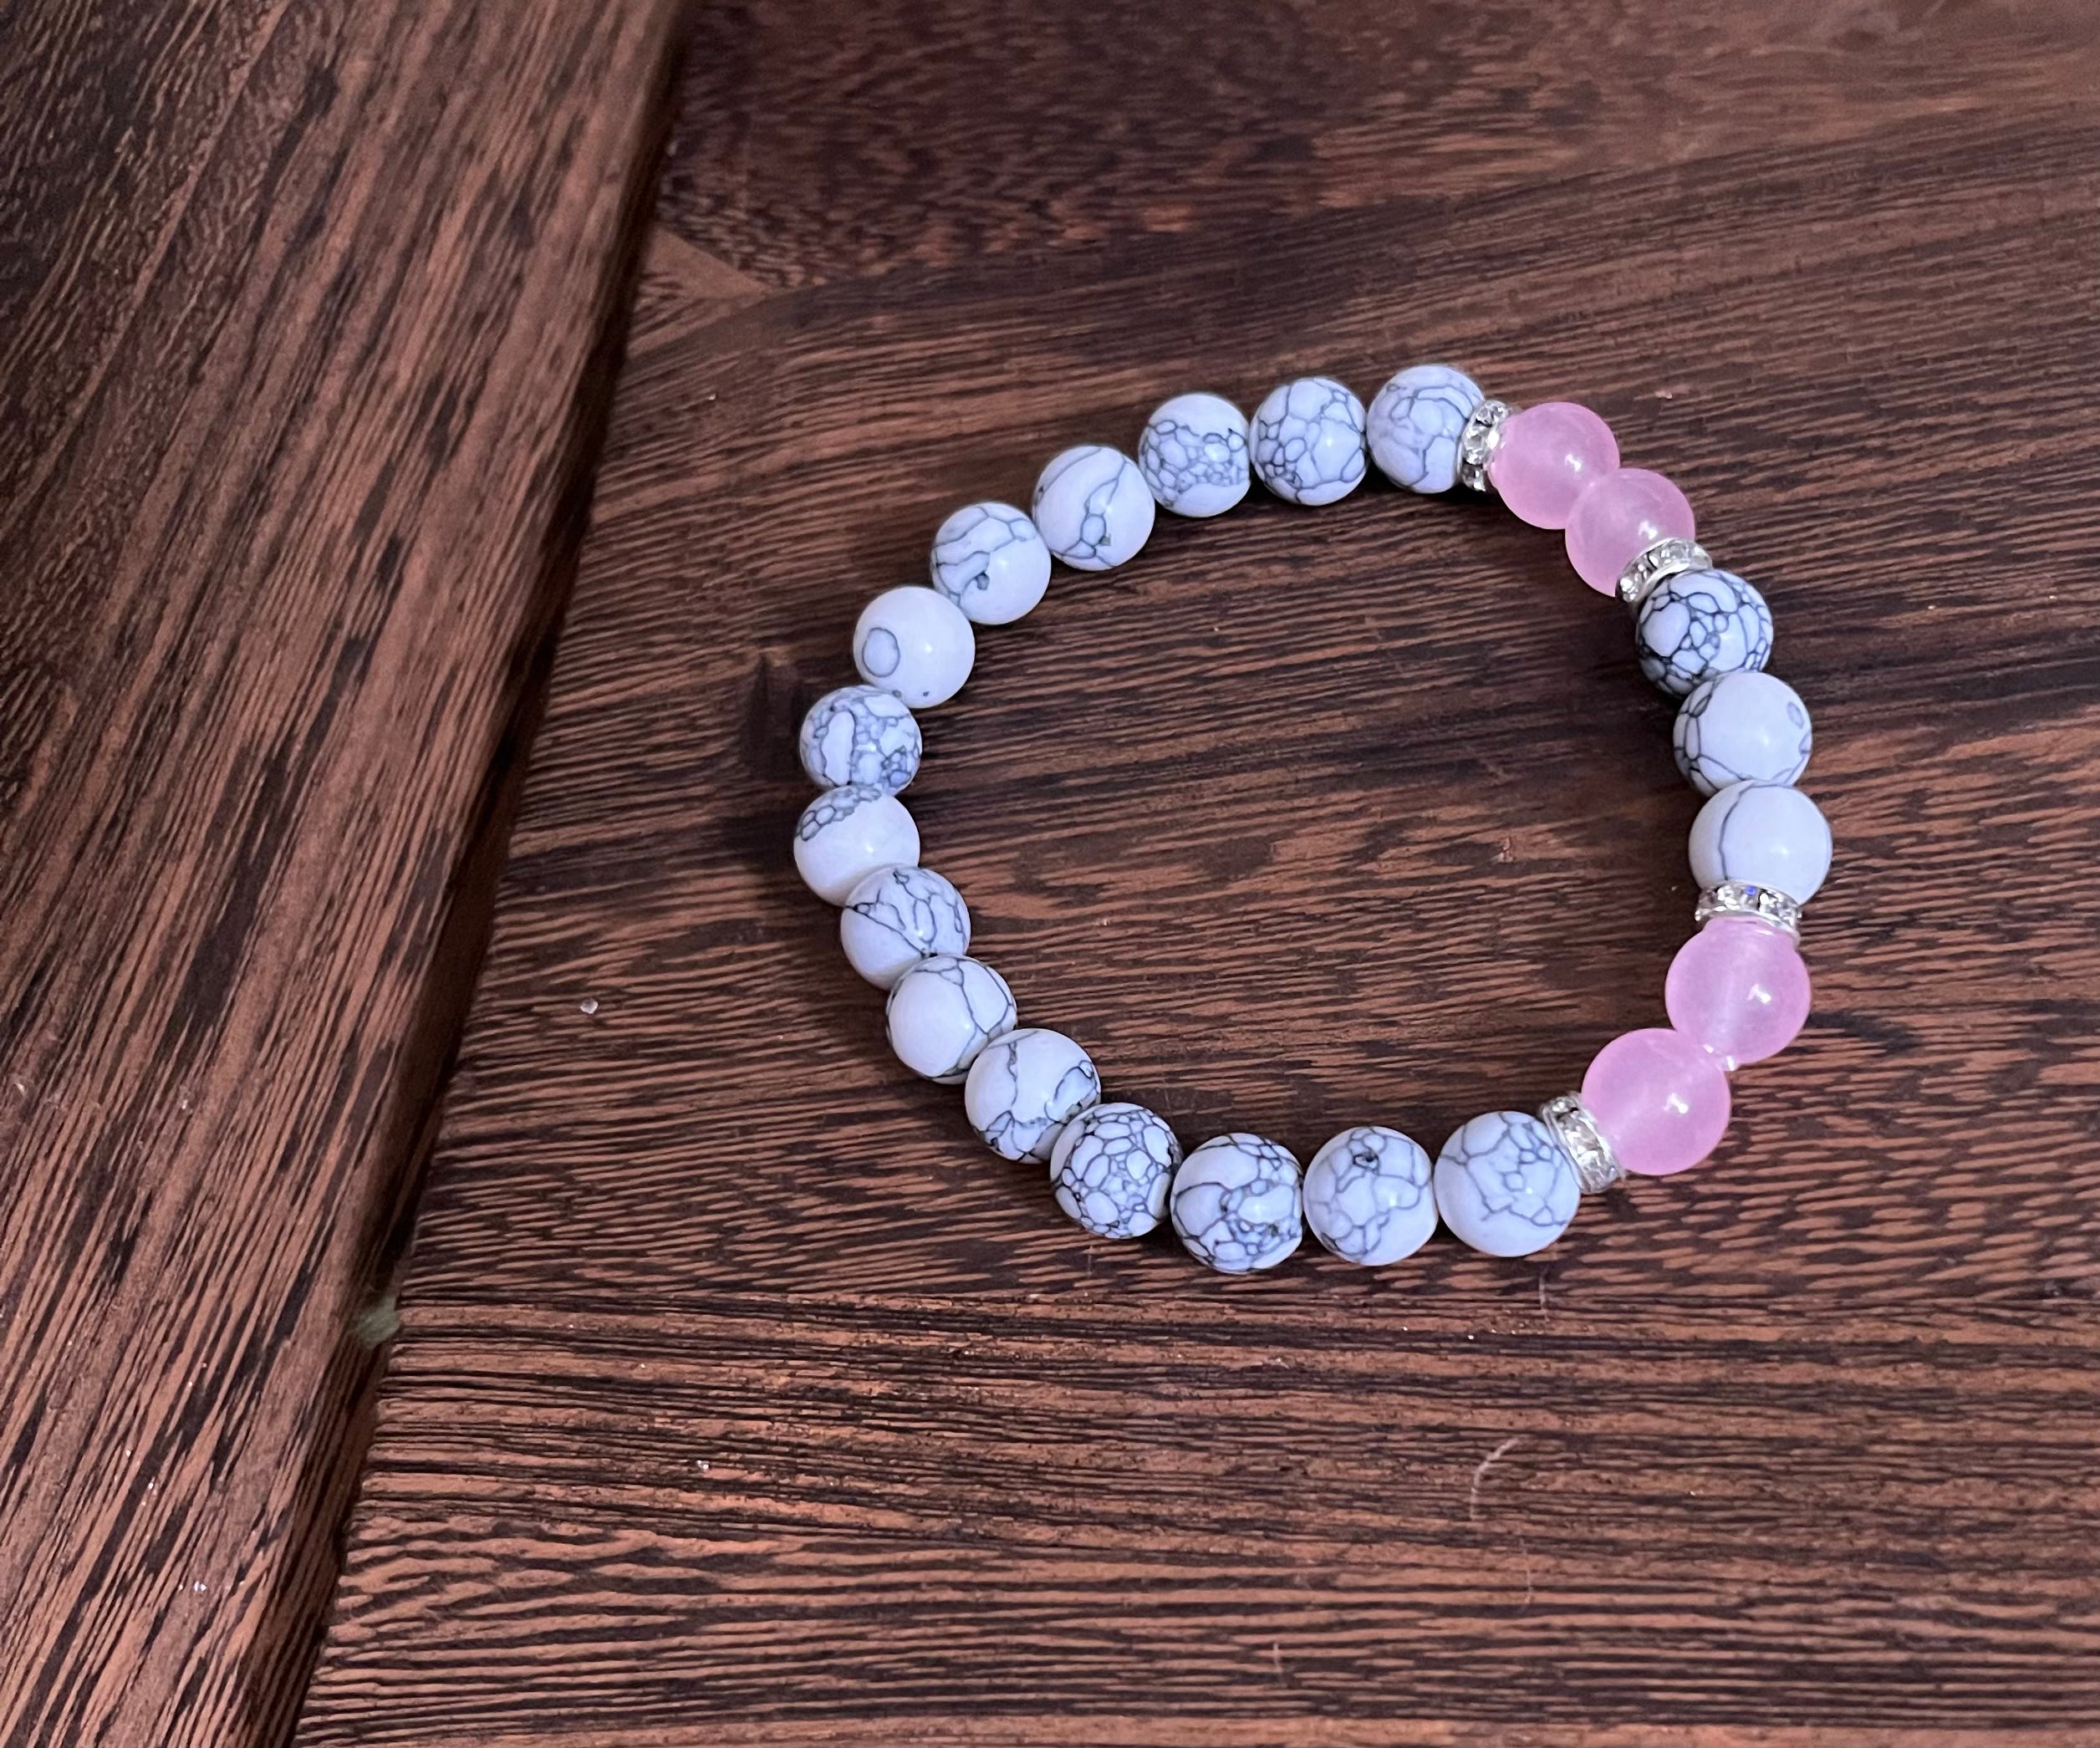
(742, 1396)
(307, 331)
(936, 135)
(909, 1520)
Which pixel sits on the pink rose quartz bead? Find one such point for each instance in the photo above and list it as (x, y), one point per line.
(1545, 456)
(1619, 516)
(1661, 1099)
(1739, 989)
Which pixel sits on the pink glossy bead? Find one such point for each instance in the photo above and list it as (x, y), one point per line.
(1740, 988)
(1545, 456)
(1661, 1099)
(1618, 516)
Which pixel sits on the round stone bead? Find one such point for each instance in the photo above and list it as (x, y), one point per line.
(1367, 1197)
(1093, 506)
(1545, 456)
(1660, 1098)
(914, 643)
(898, 916)
(1699, 623)
(1308, 441)
(1738, 988)
(860, 734)
(1742, 725)
(1235, 1203)
(1111, 1167)
(1194, 454)
(1414, 423)
(990, 561)
(1503, 1186)
(942, 1012)
(1024, 1086)
(1617, 517)
(1761, 834)
(845, 835)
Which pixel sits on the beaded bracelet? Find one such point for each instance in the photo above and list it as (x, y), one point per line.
(1652, 1102)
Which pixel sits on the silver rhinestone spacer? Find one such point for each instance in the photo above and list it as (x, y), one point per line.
(1476, 442)
(1738, 898)
(1597, 1167)
(1657, 564)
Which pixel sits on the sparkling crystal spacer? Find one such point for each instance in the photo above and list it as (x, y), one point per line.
(1655, 565)
(1476, 442)
(1597, 1167)
(1738, 898)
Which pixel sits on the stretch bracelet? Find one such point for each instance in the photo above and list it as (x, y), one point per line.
(1652, 1102)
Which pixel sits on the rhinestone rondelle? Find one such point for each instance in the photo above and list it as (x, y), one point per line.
(1738, 898)
(1476, 442)
(1655, 565)
(1597, 1167)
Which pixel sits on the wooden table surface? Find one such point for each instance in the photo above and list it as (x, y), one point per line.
(740, 1393)
(307, 320)
(742, 1396)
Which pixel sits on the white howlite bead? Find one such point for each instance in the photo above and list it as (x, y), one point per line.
(845, 835)
(1235, 1203)
(860, 734)
(1367, 1196)
(1111, 1167)
(1504, 1186)
(914, 643)
(942, 1012)
(1092, 506)
(898, 916)
(1308, 441)
(1194, 454)
(1024, 1086)
(1739, 726)
(1761, 834)
(990, 561)
(1699, 623)
(1415, 422)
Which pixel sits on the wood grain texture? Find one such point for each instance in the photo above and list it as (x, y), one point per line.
(743, 1397)
(307, 327)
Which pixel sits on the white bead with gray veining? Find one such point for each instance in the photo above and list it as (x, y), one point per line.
(1111, 1167)
(1367, 1196)
(1308, 441)
(1235, 1203)
(1414, 423)
(1092, 506)
(1504, 1186)
(915, 642)
(1024, 1087)
(860, 734)
(1194, 454)
(1761, 834)
(1741, 726)
(898, 916)
(942, 1012)
(1699, 623)
(989, 559)
(845, 835)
